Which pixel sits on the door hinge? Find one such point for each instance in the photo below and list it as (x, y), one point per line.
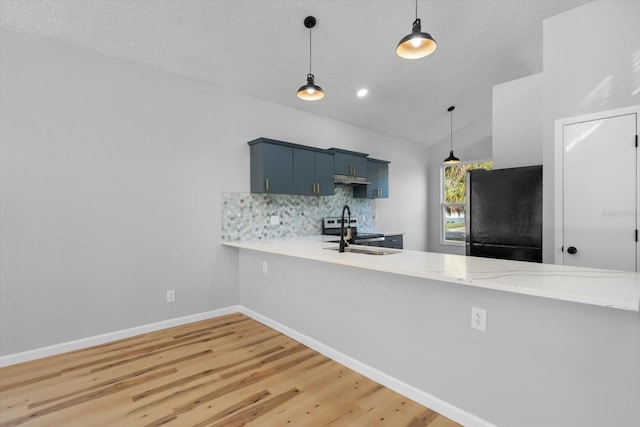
(636, 141)
(636, 234)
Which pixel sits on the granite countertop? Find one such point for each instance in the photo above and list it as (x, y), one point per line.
(606, 288)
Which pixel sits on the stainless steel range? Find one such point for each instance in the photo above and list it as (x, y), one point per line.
(331, 227)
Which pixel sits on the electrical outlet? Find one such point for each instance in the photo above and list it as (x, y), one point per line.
(264, 267)
(479, 319)
(275, 220)
(171, 295)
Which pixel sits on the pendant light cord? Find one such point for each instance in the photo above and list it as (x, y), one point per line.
(310, 51)
(451, 129)
(416, 9)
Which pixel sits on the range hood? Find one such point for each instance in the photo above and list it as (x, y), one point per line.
(350, 180)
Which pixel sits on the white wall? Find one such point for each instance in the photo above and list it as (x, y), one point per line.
(541, 362)
(470, 144)
(591, 60)
(517, 123)
(111, 182)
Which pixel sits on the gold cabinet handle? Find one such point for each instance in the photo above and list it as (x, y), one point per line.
(266, 184)
(318, 187)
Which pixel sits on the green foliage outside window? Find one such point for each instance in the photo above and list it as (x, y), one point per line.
(455, 189)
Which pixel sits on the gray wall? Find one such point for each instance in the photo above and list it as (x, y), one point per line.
(586, 77)
(542, 362)
(111, 180)
(517, 123)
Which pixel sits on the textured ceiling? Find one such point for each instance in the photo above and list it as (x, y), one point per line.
(261, 48)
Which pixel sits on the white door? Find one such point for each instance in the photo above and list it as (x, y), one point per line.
(599, 193)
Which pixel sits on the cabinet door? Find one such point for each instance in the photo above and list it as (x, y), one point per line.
(383, 180)
(304, 165)
(350, 164)
(312, 173)
(324, 174)
(359, 166)
(378, 176)
(342, 164)
(271, 168)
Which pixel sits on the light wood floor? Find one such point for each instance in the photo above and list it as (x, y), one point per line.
(228, 371)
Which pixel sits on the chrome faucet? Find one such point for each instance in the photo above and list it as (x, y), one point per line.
(343, 237)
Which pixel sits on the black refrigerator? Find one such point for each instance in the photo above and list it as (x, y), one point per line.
(504, 213)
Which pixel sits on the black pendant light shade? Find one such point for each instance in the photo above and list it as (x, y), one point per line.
(452, 159)
(311, 91)
(416, 44)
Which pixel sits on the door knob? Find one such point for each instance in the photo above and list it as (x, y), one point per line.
(572, 250)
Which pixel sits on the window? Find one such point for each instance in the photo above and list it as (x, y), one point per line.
(453, 200)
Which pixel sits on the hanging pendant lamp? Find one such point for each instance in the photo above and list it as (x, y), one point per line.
(416, 44)
(311, 91)
(451, 160)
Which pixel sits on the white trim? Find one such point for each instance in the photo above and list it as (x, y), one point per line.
(52, 350)
(422, 397)
(558, 169)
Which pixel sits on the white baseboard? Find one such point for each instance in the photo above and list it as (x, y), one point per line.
(426, 399)
(388, 381)
(12, 359)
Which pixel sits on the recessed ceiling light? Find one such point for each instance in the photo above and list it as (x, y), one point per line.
(362, 92)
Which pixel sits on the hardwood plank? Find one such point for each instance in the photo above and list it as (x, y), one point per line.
(229, 371)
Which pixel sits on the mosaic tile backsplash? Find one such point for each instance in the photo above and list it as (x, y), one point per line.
(248, 216)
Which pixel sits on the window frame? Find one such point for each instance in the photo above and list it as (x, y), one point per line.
(444, 205)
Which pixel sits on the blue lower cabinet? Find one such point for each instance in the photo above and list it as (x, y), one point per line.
(394, 241)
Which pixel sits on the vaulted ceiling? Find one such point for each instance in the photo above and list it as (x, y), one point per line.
(261, 49)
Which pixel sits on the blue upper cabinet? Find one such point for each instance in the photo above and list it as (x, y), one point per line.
(279, 167)
(312, 172)
(271, 166)
(378, 176)
(349, 163)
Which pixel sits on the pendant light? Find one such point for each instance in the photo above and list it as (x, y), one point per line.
(451, 160)
(417, 44)
(310, 91)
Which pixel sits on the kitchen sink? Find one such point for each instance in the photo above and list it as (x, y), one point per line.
(368, 250)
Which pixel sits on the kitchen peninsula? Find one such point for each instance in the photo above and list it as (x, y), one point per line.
(562, 345)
